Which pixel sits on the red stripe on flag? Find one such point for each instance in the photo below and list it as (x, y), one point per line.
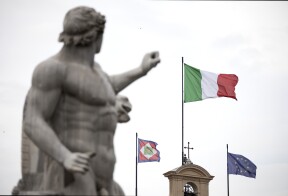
(226, 85)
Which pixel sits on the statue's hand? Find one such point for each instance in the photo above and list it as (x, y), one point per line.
(78, 162)
(149, 61)
(123, 107)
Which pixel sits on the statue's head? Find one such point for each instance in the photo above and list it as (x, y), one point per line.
(82, 26)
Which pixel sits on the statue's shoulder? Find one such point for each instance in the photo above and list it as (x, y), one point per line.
(49, 73)
(98, 68)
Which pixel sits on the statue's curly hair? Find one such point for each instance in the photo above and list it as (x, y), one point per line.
(81, 26)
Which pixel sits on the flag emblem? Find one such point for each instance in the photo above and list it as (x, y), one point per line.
(147, 151)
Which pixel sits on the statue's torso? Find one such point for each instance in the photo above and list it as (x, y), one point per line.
(85, 118)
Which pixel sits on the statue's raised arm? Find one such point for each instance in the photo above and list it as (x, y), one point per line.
(121, 81)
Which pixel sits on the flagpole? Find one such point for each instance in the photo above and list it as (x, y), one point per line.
(182, 115)
(136, 164)
(227, 173)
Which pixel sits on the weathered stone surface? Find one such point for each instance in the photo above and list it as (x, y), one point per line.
(71, 113)
(191, 174)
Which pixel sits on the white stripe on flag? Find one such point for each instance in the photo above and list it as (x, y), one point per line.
(209, 84)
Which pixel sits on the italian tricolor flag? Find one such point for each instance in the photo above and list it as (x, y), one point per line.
(199, 85)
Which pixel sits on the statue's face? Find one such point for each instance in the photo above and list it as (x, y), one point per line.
(98, 43)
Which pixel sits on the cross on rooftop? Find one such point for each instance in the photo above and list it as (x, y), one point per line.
(188, 150)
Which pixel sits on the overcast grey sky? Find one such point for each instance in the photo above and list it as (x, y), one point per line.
(249, 39)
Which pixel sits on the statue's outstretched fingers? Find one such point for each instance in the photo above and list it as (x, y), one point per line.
(91, 154)
(75, 169)
(82, 160)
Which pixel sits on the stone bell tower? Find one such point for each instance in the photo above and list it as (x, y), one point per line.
(188, 180)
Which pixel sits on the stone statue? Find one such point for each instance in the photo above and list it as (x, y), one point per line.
(71, 112)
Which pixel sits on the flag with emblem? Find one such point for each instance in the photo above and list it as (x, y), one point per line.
(240, 165)
(147, 151)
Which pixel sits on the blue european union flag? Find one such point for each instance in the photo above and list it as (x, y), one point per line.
(240, 165)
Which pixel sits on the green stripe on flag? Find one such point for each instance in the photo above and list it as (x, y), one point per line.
(192, 84)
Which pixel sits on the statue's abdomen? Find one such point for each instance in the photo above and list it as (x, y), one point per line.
(82, 127)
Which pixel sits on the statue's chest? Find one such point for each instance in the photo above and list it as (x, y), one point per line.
(90, 86)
